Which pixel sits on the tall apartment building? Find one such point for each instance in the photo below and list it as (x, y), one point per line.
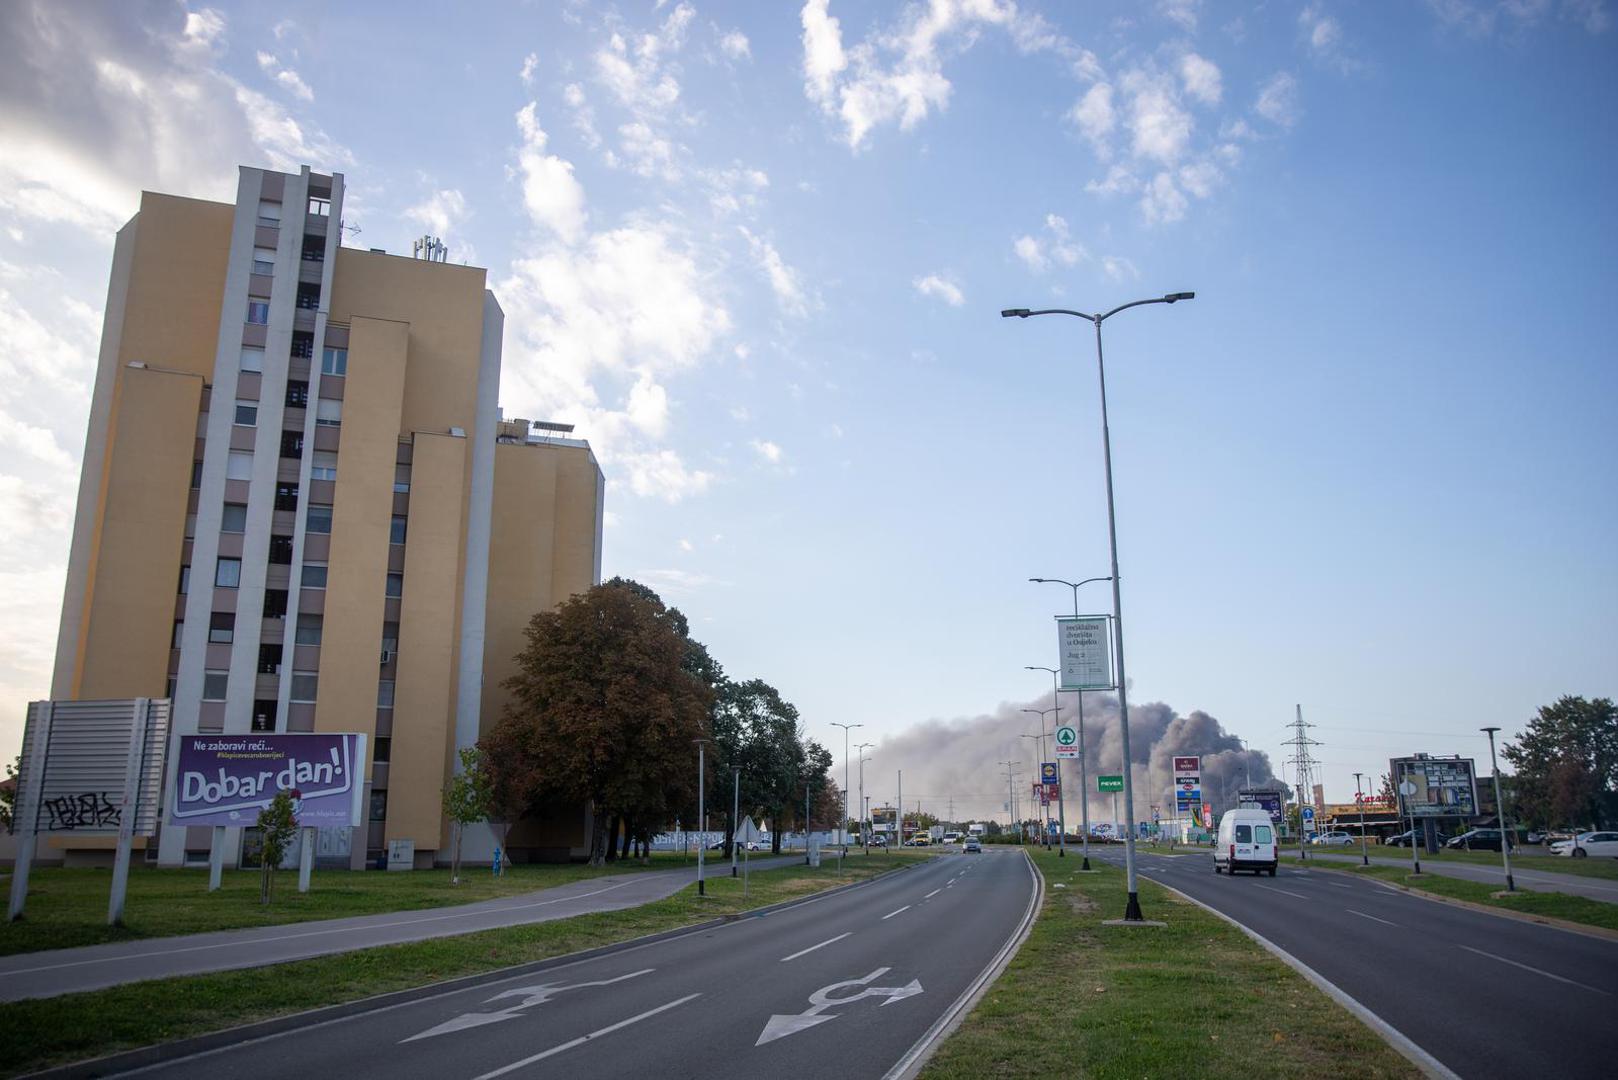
(300, 508)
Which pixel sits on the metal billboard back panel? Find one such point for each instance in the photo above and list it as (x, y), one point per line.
(83, 764)
(1084, 648)
(1444, 787)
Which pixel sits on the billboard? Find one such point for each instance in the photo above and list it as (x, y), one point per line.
(228, 779)
(1256, 799)
(1187, 785)
(1084, 643)
(1439, 787)
(83, 762)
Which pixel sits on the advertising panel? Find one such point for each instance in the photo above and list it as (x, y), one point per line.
(1256, 799)
(1047, 772)
(1105, 784)
(1443, 787)
(1187, 784)
(1084, 643)
(228, 779)
(1067, 741)
(83, 762)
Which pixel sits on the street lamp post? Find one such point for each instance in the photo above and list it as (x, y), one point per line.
(843, 850)
(1043, 840)
(1500, 813)
(702, 815)
(865, 806)
(1132, 911)
(1359, 797)
(1011, 796)
(735, 814)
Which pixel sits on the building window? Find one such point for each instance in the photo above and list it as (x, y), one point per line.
(384, 694)
(308, 296)
(269, 213)
(275, 603)
(227, 573)
(196, 474)
(396, 529)
(286, 496)
(309, 629)
(221, 628)
(314, 575)
(303, 345)
(185, 580)
(319, 207)
(390, 638)
(269, 659)
(281, 551)
(264, 711)
(319, 520)
(239, 465)
(395, 585)
(382, 749)
(314, 249)
(214, 685)
(329, 412)
(333, 361)
(305, 685)
(292, 444)
(401, 479)
(258, 312)
(234, 518)
(179, 632)
(379, 805)
(263, 260)
(297, 393)
(324, 465)
(252, 358)
(246, 413)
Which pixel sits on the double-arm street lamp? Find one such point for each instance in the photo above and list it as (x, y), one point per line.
(1132, 911)
(865, 838)
(844, 827)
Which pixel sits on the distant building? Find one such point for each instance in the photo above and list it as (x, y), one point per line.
(300, 509)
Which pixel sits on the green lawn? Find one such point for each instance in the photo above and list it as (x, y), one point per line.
(1553, 864)
(74, 1027)
(1195, 998)
(1579, 909)
(69, 907)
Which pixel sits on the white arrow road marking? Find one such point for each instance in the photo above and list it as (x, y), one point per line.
(582, 1039)
(531, 995)
(781, 1025)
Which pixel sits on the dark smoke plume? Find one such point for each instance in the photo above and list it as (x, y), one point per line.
(959, 759)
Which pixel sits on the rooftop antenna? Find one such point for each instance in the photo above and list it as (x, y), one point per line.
(351, 230)
(430, 248)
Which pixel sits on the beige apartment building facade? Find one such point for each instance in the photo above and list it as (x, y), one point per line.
(301, 509)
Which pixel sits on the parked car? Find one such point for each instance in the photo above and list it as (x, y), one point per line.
(1246, 842)
(973, 846)
(1537, 836)
(1406, 838)
(1478, 840)
(1333, 839)
(1587, 844)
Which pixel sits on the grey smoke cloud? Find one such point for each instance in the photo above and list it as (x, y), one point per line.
(958, 759)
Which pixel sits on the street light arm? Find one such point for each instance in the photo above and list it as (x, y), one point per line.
(1023, 313)
(1171, 298)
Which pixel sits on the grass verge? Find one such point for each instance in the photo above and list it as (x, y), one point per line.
(74, 1027)
(1194, 998)
(68, 908)
(1555, 905)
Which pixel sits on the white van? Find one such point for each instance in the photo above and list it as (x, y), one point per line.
(1246, 842)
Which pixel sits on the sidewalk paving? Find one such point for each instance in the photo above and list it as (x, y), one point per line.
(1542, 880)
(94, 967)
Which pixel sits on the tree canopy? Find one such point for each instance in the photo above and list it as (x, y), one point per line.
(1567, 764)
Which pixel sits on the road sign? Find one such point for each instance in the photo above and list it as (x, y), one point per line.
(1047, 772)
(1067, 741)
(1084, 644)
(1110, 783)
(747, 832)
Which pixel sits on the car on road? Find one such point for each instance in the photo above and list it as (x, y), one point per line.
(1333, 839)
(1478, 840)
(973, 846)
(1246, 842)
(1587, 844)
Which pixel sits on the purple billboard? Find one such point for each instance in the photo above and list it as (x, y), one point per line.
(228, 779)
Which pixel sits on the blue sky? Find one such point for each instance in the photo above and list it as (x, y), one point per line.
(757, 253)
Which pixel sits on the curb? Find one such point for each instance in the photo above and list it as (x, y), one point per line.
(1389, 1034)
(916, 1058)
(1600, 932)
(147, 1056)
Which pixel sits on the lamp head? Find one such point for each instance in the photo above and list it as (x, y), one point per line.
(1017, 312)
(1173, 296)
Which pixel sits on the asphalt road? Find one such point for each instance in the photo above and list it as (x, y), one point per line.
(94, 967)
(1487, 996)
(1542, 880)
(839, 987)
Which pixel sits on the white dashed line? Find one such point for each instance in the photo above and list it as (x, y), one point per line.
(812, 948)
(891, 914)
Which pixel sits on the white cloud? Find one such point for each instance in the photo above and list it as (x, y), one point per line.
(1321, 31)
(1039, 253)
(942, 288)
(553, 197)
(1278, 100)
(784, 280)
(685, 545)
(1183, 13)
(740, 414)
(1200, 178)
(660, 474)
(584, 117)
(1027, 249)
(440, 212)
(1482, 18)
(640, 74)
(767, 451)
(530, 64)
(1095, 117)
(1201, 77)
(734, 45)
(1118, 181)
(1161, 201)
(203, 28)
(648, 407)
(1119, 268)
(286, 78)
(1159, 126)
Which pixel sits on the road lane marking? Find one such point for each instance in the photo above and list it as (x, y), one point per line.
(1288, 892)
(932, 894)
(531, 995)
(1373, 918)
(1339, 885)
(891, 914)
(779, 1026)
(1537, 971)
(582, 1039)
(812, 948)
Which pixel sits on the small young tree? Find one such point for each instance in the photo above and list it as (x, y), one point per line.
(8, 795)
(276, 826)
(467, 799)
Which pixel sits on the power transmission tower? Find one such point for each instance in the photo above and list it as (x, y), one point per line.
(1305, 764)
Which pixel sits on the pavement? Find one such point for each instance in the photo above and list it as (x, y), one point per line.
(1542, 880)
(94, 967)
(1486, 996)
(871, 971)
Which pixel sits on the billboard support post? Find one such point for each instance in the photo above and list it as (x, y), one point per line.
(216, 859)
(306, 857)
(126, 811)
(28, 810)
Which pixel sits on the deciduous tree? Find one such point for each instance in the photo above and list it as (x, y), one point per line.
(1567, 764)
